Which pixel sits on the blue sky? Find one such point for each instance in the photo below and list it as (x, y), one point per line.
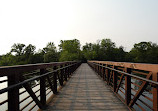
(38, 22)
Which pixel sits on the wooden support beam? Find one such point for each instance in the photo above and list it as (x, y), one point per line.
(65, 73)
(127, 86)
(110, 76)
(107, 75)
(100, 71)
(43, 87)
(55, 80)
(119, 84)
(103, 72)
(13, 95)
(140, 91)
(98, 68)
(114, 79)
(68, 71)
(31, 93)
(50, 84)
(61, 74)
(155, 92)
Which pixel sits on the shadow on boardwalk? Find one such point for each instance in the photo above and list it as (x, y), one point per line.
(86, 91)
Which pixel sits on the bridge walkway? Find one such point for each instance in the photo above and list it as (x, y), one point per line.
(85, 91)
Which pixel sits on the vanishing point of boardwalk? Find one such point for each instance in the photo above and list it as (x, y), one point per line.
(86, 91)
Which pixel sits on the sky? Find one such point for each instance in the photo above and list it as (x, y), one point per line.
(38, 22)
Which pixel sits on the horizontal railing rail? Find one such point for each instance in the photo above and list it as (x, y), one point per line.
(135, 84)
(30, 87)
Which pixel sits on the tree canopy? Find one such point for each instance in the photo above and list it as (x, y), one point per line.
(70, 50)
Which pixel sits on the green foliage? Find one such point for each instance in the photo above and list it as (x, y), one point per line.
(90, 51)
(104, 50)
(18, 49)
(50, 53)
(7, 60)
(69, 50)
(146, 52)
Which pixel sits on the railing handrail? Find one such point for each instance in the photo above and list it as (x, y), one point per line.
(118, 75)
(31, 79)
(135, 76)
(7, 70)
(48, 75)
(140, 66)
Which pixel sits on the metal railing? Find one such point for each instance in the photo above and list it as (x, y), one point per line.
(135, 84)
(31, 87)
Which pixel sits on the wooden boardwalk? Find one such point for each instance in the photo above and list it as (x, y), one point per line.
(86, 91)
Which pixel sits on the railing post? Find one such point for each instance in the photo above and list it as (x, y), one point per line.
(103, 72)
(98, 68)
(70, 69)
(13, 95)
(107, 74)
(74, 67)
(100, 72)
(55, 80)
(127, 86)
(155, 92)
(61, 73)
(43, 87)
(67, 70)
(65, 73)
(114, 79)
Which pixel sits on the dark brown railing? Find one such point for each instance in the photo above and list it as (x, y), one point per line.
(135, 84)
(31, 87)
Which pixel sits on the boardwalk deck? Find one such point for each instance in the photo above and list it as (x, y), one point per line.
(86, 91)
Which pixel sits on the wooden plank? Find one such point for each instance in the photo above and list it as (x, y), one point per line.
(86, 91)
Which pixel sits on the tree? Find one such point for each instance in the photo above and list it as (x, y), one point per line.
(23, 54)
(50, 53)
(18, 49)
(7, 60)
(89, 52)
(69, 50)
(29, 50)
(120, 54)
(146, 52)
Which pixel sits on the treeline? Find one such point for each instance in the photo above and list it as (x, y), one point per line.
(70, 50)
